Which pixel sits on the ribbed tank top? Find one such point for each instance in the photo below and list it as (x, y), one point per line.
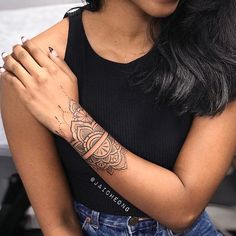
(125, 112)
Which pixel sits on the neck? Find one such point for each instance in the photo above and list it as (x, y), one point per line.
(122, 22)
(125, 18)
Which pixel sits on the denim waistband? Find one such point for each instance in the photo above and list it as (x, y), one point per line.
(91, 220)
(132, 222)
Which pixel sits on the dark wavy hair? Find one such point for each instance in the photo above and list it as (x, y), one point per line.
(194, 66)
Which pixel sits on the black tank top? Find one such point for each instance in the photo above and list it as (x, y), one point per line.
(125, 112)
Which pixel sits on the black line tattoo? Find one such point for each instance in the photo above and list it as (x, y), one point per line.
(99, 149)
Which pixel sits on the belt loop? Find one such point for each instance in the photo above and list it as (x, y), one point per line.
(159, 226)
(95, 219)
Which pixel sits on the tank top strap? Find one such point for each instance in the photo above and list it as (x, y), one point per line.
(75, 40)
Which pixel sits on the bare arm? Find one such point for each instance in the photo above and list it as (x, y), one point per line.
(201, 165)
(37, 162)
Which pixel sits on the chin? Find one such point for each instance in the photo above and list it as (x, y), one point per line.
(157, 8)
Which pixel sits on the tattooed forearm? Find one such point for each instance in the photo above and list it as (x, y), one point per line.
(96, 146)
(99, 149)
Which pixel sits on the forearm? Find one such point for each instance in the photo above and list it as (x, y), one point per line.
(153, 189)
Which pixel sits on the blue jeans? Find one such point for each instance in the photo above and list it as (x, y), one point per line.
(98, 223)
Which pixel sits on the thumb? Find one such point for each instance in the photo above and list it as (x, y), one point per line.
(60, 63)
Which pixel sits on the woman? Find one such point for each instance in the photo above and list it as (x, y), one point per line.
(133, 167)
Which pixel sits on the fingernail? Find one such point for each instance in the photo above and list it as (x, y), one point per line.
(2, 69)
(4, 54)
(53, 51)
(23, 39)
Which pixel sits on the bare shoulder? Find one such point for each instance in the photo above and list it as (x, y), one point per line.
(54, 36)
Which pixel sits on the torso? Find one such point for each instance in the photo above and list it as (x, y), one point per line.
(125, 112)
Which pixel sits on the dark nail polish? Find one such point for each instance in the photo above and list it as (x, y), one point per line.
(53, 52)
(50, 49)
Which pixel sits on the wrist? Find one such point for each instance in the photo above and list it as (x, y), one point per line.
(76, 120)
(65, 129)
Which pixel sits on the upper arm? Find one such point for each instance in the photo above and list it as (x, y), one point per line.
(206, 156)
(34, 154)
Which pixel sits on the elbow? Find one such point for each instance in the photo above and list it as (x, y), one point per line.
(182, 224)
(178, 223)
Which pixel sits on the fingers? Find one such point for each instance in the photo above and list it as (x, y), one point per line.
(13, 80)
(37, 54)
(61, 63)
(16, 69)
(30, 64)
(25, 59)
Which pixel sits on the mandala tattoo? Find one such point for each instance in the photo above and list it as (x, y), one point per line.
(99, 149)
(95, 145)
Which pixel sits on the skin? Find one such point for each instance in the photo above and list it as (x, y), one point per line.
(184, 191)
(40, 169)
(156, 8)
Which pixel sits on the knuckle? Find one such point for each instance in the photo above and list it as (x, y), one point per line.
(41, 79)
(22, 55)
(38, 77)
(52, 70)
(14, 67)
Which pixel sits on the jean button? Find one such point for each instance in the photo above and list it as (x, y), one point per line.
(133, 220)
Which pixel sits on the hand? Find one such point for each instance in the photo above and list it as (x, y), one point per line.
(44, 83)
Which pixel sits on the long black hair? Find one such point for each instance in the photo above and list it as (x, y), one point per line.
(194, 69)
